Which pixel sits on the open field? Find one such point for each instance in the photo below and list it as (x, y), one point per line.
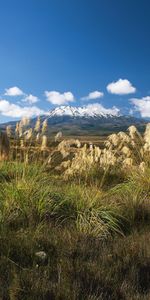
(75, 219)
(86, 139)
(65, 240)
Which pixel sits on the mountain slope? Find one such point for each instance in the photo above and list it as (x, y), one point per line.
(89, 120)
(86, 120)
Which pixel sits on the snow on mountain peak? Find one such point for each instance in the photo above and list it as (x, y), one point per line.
(88, 111)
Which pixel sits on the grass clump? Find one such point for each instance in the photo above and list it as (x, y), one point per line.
(78, 234)
(96, 242)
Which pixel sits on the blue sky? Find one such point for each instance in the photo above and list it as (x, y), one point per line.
(74, 52)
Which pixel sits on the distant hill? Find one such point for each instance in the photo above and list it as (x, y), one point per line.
(84, 121)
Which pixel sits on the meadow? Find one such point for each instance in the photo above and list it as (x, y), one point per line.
(74, 215)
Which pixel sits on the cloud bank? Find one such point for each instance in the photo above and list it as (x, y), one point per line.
(57, 98)
(142, 106)
(14, 91)
(121, 87)
(16, 111)
(27, 107)
(30, 99)
(93, 95)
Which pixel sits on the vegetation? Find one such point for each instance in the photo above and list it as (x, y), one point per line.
(74, 233)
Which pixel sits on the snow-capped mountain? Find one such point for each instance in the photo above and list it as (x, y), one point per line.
(92, 119)
(87, 120)
(89, 111)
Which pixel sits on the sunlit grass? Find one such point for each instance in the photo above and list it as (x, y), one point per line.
(92, 226)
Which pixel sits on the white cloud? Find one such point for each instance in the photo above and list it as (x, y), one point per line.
(16, 111)
(142, 106)
(30, 99)
(121, 87)
(58, 98)
(93, 95)
(131, 112)
(99, 108)
(14, 91)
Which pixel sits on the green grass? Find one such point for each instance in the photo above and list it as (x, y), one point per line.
(97, 241)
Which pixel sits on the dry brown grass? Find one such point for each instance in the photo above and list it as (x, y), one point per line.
(93, 226)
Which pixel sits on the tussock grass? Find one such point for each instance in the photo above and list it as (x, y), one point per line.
(133, 196)
(96, 240)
